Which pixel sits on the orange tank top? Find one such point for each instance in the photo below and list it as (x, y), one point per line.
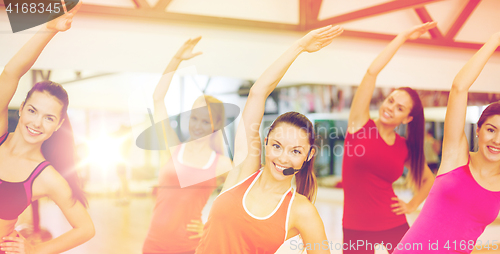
(176, 206)
(231, 228)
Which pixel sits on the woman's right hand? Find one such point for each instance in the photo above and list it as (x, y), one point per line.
(185, 52)
(417, 31)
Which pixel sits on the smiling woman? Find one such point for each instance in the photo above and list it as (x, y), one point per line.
(38, 157)
(191, 169)
(369, 213)
(258, 209)
(467, 186)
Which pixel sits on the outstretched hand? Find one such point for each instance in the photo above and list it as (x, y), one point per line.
(417, 31)
(320, 38)
(186, 50)
(63, 23)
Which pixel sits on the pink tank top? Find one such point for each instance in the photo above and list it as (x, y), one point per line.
(175, 206)
(454, 215)
(231, 228)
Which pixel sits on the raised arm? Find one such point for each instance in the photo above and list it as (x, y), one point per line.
(247, 142)
(455, 146)
(185, 52)
(24, 59)
(360, 106)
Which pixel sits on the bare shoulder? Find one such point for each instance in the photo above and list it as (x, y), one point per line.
(50, 182)
(302, 206)
(224, 161)
(356, 124)
(223, 165)
(304, 217)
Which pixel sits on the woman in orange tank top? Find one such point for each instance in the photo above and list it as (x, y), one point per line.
(259, 209)
(188, 176)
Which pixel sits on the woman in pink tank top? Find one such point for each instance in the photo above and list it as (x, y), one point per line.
(37, 159)
(375, 157)
(259, 209)
(188, 176)
(466, 195)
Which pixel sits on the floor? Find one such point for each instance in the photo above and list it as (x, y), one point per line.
(121, 228)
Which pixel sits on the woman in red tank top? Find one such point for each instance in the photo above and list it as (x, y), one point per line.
(42, 137)
(188, 177)
(375, 156)
(259, 209)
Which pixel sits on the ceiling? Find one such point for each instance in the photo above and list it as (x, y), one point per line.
(458, 20)
(121, 43)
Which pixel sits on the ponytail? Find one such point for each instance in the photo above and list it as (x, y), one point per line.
(59, 150)
(306, 181)
(415, 138)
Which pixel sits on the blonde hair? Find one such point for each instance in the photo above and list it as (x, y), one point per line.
(217, 120)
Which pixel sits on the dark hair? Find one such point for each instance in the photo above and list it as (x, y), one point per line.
(305, 178)
(59, 149)
(491, 110)
(415, 137)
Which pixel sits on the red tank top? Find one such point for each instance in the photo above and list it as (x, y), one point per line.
(369, 169)
(231, 228)
(175, 206)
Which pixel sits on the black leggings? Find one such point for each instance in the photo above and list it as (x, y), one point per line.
(358, 241)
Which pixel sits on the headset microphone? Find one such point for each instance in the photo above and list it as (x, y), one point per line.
(291, 171)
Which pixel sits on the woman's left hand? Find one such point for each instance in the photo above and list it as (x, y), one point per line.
(401, 207)
(16, 245)
(417, 31)
(197, 227)
(185, 52)
(63, 23)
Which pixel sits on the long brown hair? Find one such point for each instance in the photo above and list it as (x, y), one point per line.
(415, 138)
(305, 178)
(59, 148)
